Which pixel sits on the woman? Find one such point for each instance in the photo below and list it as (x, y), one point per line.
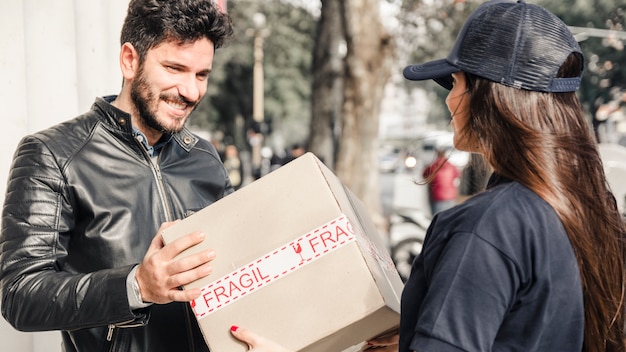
(536, 261)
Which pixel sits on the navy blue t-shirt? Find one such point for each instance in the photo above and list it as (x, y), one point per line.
(497, 273)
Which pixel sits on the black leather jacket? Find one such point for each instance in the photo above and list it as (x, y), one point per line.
(83, 203)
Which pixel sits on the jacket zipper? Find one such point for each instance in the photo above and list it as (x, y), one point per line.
(156, 170)
(110, 332)
(156, 173)
(112, 337)
(111, 327)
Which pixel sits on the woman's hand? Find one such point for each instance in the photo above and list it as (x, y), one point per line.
(385, 343)
(255, 342)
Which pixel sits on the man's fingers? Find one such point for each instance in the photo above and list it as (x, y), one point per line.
(155, 245)
(184, 277)
(160, 275)
(180, 244)
(192, 261)
(184, 295)
(190, 268)
(157, 241)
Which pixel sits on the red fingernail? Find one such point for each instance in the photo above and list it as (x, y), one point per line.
(234, 328)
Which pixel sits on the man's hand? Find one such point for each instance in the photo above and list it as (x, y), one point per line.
(160, 276)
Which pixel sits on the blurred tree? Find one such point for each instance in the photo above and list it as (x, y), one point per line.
(227, 106)
(327, 92)
(353, 55)
(369, 55)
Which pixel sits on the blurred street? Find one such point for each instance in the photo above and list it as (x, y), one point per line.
(398, 190)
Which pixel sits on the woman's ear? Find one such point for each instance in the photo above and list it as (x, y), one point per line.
(129, 61)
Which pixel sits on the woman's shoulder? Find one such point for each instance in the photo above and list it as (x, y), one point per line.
(509, 218)
(505, 197)
(505, 208)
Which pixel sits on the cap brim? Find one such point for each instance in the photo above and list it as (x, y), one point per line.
(439, 70)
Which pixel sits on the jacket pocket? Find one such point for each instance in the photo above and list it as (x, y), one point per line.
(118, 336)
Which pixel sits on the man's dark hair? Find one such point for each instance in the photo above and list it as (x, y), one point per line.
(149, 23)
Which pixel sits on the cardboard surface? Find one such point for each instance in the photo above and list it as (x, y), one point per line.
(298, 261)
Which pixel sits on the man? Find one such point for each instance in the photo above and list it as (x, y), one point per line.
(85, 198)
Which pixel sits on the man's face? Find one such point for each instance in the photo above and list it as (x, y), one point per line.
(170, 83)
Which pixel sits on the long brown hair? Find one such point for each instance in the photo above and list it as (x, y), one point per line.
(543, 141)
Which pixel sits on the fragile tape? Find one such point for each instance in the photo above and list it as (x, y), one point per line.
(273, 266)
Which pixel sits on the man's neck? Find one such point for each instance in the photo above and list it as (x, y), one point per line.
(151, 134)
(125, 105)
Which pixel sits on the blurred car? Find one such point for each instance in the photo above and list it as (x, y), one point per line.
(424, 150)
(389, 159)
(389, 162)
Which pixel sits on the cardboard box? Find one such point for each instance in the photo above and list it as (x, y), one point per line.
(298, 261)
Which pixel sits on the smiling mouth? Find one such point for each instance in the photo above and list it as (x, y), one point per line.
(177, 105)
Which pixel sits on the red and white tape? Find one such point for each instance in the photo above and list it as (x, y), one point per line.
(273, 266)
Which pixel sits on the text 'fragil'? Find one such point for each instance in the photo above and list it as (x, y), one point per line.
(274, 265)
(237, 285)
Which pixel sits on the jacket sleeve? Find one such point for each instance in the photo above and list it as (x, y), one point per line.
(37, 224)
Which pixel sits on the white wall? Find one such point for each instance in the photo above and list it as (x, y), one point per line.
(55, 58)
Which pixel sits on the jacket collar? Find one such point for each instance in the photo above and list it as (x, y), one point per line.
(121, 121)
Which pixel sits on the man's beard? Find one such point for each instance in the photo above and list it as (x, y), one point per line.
(142, 97)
